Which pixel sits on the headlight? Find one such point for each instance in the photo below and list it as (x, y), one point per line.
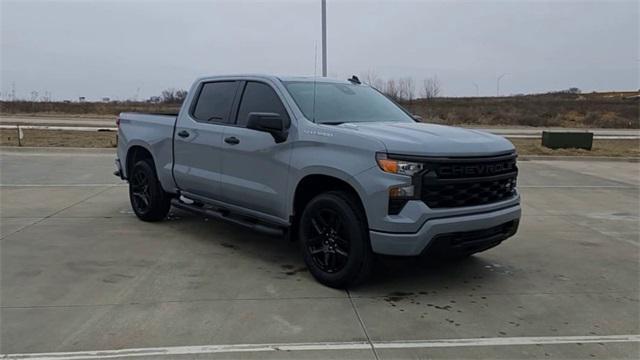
(397, 166)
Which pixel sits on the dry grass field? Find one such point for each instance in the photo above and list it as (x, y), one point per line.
(599, 110)
(593, 110)
(76, 109)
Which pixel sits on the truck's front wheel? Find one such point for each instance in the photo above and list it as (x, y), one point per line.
(148, 199)
(334, 240)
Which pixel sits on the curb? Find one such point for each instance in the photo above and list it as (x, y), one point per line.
(578, 158)
(57, 149)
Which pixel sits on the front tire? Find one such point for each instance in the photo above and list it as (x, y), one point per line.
(334, 240)
(148, 199)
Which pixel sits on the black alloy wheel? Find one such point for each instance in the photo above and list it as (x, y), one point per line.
(141, 198)
(148, 200)
(326, 241)
(334, 239)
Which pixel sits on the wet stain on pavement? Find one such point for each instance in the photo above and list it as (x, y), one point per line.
(29, 273)
(298, 270)
(116, 278)
(397, 296)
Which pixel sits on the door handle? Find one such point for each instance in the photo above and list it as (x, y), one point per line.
(183, 133)
(232, 140)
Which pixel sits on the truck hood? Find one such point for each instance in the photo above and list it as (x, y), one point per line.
(432, 140)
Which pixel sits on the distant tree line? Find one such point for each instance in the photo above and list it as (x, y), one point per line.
(170, 96)
(404, 89)
(572, 91)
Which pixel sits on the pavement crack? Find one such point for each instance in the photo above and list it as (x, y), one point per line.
(364, 329)
(5, 236)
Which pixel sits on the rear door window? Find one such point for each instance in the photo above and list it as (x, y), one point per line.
(215, 101)
(259, 97)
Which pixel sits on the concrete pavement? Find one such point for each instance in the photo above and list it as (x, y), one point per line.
(80, 273)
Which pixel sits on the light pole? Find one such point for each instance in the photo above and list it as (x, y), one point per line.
(324, 38)
(477, 89)
(498, 84)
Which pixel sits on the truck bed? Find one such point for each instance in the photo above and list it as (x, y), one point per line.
(154, 132)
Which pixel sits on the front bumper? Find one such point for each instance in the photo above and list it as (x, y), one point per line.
(464, 226)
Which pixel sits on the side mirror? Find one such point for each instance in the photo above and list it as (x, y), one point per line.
(272, 123)
(417, 118)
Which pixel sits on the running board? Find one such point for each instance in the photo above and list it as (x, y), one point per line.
(214, 214)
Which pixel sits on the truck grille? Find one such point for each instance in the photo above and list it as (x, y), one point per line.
(458, 182)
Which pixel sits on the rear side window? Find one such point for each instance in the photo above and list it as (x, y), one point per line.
(214, 102)
(259, 97)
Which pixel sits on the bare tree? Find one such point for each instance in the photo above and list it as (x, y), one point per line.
(181, 95)
(173, 96)
(431, 87)
(406, 89)
(378, 84)
(168, 95)
(391, 89)
(370, 77)
(411, 89)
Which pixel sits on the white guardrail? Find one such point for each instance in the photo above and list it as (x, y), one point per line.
(51, 127)
(18, 128)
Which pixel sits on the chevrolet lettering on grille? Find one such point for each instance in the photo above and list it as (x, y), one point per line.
(479, 169)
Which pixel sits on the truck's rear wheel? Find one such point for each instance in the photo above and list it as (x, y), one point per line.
(334, 240)
(148, 199)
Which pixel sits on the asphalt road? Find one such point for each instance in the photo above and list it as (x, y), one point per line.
(63, 121)
(79, 273)
(516, 131)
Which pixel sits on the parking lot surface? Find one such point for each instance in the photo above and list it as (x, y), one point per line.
(79, 273)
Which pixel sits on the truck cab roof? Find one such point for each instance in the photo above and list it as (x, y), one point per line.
(283, 78)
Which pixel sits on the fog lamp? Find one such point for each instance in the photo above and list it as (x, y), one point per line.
(401, 192)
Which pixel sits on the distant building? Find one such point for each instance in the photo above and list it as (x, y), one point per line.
(155, 99)
(81, 99)
(105, 99)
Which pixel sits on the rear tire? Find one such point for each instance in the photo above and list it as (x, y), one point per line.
(334, 240)
(148, 200)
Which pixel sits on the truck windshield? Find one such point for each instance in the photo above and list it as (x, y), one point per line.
(337, 103)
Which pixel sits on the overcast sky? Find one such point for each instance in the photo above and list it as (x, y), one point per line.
(123, 48)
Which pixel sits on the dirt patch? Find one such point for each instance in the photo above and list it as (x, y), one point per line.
(601, 147)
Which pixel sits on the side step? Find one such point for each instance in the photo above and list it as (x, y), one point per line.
(242, 221)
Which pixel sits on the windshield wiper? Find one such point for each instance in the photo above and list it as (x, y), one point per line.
(332, 122)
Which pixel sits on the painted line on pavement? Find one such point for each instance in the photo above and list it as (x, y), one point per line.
(520, 186)
(578, 187)
(321, 346)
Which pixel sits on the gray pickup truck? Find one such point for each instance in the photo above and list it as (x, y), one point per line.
(333, 164)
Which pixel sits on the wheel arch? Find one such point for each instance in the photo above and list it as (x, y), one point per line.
(136, 153)
(314, 184)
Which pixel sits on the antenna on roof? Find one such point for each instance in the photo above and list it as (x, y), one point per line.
(315, 71)
(354, 79)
